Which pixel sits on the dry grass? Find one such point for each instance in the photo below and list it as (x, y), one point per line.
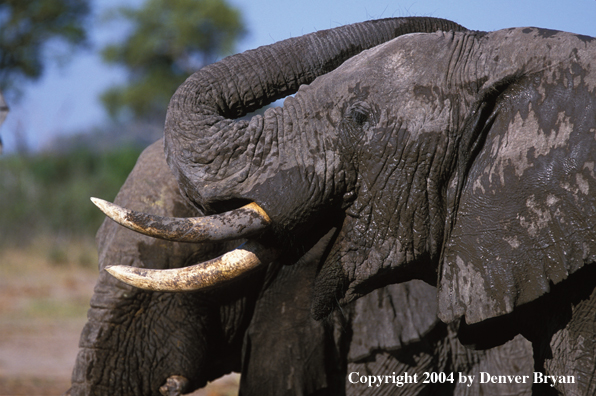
(44, 295)
(45, 290)
(47, 280)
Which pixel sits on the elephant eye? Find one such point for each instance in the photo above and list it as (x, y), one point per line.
(360, 113)
(359, 116)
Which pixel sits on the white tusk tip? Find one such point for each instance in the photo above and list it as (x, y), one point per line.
(100, 203)
(118, 271)
(112, 270)
(111, 210)
(123, 273)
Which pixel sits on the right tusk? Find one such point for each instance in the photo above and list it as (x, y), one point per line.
(211, 273)
(244, 222)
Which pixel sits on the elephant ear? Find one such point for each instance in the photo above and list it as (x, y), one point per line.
(526, 212)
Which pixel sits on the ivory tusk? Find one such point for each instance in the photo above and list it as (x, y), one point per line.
(199, 276)
(244, 222)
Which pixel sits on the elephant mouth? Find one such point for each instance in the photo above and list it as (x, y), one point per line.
(246, 222)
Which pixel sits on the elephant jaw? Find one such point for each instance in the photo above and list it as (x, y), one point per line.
(247, 221)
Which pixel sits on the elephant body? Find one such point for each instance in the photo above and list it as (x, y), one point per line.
(412, 150)
(262, 327)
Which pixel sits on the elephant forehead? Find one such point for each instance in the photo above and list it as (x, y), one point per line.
(391, 78)
(388, 65)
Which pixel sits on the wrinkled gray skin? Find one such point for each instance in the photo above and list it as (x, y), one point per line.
(464, 159)
(261, 326)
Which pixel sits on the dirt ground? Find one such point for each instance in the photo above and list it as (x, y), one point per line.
(44, 296)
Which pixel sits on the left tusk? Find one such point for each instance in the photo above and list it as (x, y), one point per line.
(244, 222)
(209, 274)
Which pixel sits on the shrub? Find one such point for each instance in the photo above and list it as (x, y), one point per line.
(49, 193)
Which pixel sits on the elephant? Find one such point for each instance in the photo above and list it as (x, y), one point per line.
(464, 159)
(138, 342)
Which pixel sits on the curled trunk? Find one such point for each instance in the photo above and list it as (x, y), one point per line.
(218, 160)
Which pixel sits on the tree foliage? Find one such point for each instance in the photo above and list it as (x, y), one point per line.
(48, 194)
(170, 39)
(27, 26)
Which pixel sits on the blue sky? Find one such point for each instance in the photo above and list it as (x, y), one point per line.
(66, 100)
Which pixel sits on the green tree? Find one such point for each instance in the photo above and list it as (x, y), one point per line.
(170, 39)
(27, 27)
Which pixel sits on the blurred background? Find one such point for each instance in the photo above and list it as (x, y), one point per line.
(87, 83)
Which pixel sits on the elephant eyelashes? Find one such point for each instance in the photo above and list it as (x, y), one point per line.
(360, 117)
(360, 114)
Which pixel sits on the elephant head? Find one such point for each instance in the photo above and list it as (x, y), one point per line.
(292, 162)
(462, 158)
